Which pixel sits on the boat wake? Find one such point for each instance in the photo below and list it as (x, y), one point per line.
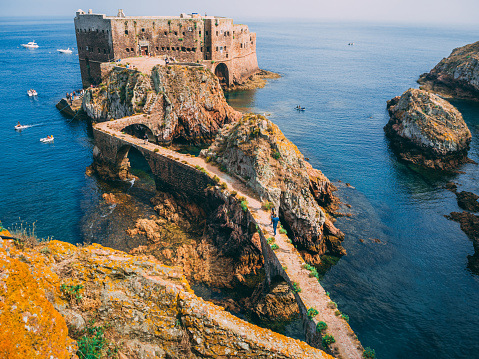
(132, 181)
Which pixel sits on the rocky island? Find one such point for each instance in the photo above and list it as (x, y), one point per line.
(456, 76)
(427, 131)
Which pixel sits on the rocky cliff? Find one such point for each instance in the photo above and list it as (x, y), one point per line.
(117, 306)
(457, 75)
(256, 151)
(183, 103)
(427, 130)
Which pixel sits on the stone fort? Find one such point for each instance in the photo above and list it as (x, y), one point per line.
(227, 49)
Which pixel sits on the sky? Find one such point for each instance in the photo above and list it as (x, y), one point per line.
(404, 11)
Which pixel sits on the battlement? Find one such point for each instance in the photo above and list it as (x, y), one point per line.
(228, 49)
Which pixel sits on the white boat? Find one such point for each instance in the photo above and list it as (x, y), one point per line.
(67, 51)
(32, 92)
(46, 139)
(31, 45)
(20, 127)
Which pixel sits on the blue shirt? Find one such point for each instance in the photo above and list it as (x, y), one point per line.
(275, 220)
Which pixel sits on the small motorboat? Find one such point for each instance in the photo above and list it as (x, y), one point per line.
(31, 45)
(20, 127)
(47, 139)
(32, 93)
(63, 51)
(299, 108)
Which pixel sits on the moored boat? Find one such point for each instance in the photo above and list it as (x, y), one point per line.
(31, 45)
(32, 92)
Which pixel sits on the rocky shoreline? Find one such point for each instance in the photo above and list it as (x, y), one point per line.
(455, 76)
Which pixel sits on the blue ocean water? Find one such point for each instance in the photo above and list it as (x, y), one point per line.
(411, 295)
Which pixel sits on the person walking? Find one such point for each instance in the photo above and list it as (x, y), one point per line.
(274, 221)
(145, 138)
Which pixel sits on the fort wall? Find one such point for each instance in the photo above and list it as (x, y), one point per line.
(193, 38)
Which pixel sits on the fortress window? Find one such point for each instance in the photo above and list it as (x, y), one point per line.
(201, 49)
(104, 51)
(183, 49)
(176, 33)
(225, 48)
(207, 49)
(127, 49)
(131, 49)
(206, 33)
(190, 28)
(216, 33)
(143, 29)
(250, 38)
(216, 48)
(194, 49)
(241, 45)
(226, 55)
(167, 48)
(98, 50)
(103, 31)
(188, 49)
(183, 33)
(126, 32)
(96, 30)
(200, 32)
(86, 48)
(166, 33)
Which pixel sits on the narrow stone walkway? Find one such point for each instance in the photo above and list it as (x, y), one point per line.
(312, 294)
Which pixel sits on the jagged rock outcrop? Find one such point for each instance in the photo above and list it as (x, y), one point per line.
(255, 150)
(135, 306)
(212, 241)
(469, 225)
(428, 131)
(177, 103)
(457, 75)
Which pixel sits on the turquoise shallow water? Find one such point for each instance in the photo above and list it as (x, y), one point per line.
(410, 295)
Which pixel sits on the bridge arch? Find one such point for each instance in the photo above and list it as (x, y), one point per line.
(139, 130)
(131, 160)
(222, 72)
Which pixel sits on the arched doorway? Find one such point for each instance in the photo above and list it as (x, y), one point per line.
(132, 161)
(139, 130)
(221, 71)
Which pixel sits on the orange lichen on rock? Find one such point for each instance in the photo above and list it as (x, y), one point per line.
(30, 326)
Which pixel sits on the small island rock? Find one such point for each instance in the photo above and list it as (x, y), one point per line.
(428, 131)
(457, 75)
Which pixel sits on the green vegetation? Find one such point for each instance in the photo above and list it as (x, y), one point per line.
(267, 205)
(312, 269)
(244, 205)
(156, 150)
(345, 317)
(296, 287)
(216, 179)
(276, 155)
(282, 230)
(369, 353)
(91, 344)
(274, 246)
(312, 312)
(180, 39)
(321, 326)
(223, 185)
(71, 291)
(270, 240)
(242, 198)
(328, 340)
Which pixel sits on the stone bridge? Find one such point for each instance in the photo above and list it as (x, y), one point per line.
(175, 171)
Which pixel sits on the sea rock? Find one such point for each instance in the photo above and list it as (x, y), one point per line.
(427, 130)
(457, 75)
(180, 103)
(256, 151)
(468, 201)
(141, 308)
(469, 225)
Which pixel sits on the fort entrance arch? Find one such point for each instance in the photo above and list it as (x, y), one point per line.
(221, 71)
(139, 130)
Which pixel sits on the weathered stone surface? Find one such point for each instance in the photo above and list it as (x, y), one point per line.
(180, 103)
(30, 326)
(427, 130)
(457, 75)
(147, 309)
(255, 150)
(468, 201)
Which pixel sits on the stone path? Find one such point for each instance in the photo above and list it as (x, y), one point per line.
(144, 63)
(312, 294)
